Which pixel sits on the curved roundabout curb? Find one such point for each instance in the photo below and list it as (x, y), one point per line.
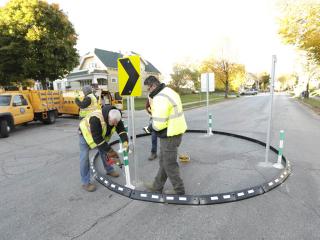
(196, 199)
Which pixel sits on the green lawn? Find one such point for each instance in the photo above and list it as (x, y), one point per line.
(312, 102)
(188, 100)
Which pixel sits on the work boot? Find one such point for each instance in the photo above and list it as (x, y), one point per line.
(113, 174)
(149, 186)
(172, 192)
(152, 156)
(89, 187)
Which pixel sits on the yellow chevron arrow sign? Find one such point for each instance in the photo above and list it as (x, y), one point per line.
(129, 76)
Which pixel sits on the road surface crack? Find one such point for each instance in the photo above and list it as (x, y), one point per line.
(101, 219)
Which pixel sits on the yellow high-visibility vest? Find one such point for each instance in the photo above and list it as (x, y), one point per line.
(92, 107)
(86, 131)
(167, 112)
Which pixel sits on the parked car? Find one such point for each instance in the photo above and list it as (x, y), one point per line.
(249, 92)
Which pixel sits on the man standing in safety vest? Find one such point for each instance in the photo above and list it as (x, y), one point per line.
(169, 124)
(89, 103)
(96, 130)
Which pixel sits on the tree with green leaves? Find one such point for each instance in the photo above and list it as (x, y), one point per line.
(228, 75)
(37, 41)
(299, 26)
(181, 74)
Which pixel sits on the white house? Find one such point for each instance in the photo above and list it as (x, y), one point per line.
(99, 68)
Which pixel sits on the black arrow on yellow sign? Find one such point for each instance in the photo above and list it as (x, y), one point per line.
(133, 76)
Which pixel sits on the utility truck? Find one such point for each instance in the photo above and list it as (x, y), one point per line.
(21, 107)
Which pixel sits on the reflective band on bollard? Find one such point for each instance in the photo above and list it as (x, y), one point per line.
(280, 151)
(210, 125)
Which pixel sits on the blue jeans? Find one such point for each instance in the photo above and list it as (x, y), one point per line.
(84, 161)
(154, 141)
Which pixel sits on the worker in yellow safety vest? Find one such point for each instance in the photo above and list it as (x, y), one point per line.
(89, 103)
(96, 130)
(169, 124)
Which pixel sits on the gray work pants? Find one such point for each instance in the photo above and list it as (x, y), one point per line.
(169, 167)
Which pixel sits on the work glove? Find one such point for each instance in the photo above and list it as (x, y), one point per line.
(125, 146)
(147, 129)
(113, 161)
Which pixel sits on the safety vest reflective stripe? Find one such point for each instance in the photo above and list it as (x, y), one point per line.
(101, 143)
(175, 115)
(158, 119)
(176, 110)
(174, 121)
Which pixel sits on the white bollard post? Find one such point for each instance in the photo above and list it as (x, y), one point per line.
(280, 152)
(209, 131)
(126, 170)
(120, 147)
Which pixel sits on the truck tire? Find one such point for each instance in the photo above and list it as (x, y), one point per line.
(4, 129)
(51, 118)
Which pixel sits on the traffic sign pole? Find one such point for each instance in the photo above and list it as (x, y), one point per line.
(136, 162)
(207, 85)
(266, 163)
(130, 85)
(208, 133)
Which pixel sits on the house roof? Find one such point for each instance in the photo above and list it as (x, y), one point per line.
(151, 68)
(77, 73)
(85, 72)
(109, 59)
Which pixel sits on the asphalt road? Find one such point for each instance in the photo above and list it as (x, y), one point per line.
(41, 196)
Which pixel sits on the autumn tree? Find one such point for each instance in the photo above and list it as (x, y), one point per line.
(288, 81)
(37, 41)
(228, 75)
(311, 69)
(299, 26)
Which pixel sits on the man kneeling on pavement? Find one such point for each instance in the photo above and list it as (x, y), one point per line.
(96, 130)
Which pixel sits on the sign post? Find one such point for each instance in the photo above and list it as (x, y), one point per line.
(208, 85)
(130, 86)
(266, 163)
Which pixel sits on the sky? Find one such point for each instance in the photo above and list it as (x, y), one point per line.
(172, 31)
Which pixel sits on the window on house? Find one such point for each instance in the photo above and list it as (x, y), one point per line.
(102, 81)
(92, 65)
(85, 82)
(114, 80)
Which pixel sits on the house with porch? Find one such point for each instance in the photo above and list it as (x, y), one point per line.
(99, 68)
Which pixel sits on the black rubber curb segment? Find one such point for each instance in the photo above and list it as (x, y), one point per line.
(196, 199)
